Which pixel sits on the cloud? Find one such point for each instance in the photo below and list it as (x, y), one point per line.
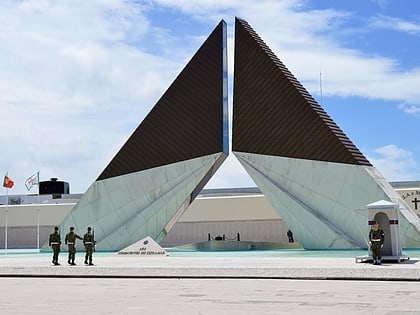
(381, 3)
(316, 44)
(310, 41)
(78, 77)
(73, 86)
(410, 109)
(395, 24)
(231, 174)
(395, 164)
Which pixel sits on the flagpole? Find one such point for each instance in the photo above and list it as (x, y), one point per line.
(320, 84)
(37, 217)
(7, 210)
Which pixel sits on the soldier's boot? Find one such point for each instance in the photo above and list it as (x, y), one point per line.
(86, 262)
(379, 262)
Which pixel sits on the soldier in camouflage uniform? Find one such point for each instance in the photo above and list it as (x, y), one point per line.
(55, 243)
(376, 239)
(89, 242)
(70, 241)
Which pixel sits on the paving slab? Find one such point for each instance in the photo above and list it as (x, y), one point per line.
(115, 266)
(208, 285)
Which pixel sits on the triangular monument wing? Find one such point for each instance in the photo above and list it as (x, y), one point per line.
(167, 160)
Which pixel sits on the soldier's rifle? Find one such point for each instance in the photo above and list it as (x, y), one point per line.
(94, 242)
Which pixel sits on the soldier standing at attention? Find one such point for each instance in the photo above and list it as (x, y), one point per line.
(376, 238)
(70, 241)
(89, 242)
(55, 243)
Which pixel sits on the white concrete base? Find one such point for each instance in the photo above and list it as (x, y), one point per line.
(147, 247)
(400, 258)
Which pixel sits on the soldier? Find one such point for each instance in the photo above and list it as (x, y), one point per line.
(55, 243)
(290, 236)
(70, 241)
(89, 242)
(376, 240)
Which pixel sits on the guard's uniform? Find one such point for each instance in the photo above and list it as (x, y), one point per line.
(376, 238)
(70, 241)
(55, 243)
(89, 242)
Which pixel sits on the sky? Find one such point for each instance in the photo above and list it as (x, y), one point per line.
(77, 77)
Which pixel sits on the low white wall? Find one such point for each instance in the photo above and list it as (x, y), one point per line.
(258, 231)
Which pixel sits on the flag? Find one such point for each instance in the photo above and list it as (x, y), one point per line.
(8, 182)
(32, 181)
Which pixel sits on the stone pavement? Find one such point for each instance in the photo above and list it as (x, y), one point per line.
(208, 285)
(114, 266)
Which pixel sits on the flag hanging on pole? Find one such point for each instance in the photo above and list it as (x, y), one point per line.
(8, 182)
(32, 181)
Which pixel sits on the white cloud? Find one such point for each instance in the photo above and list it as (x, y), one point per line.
(230, 174)
(395, 164)
(410, 109)
(381, 3)
(306, 40)
(312, 46)
(395, 24)
(77, 77)
(72, 87)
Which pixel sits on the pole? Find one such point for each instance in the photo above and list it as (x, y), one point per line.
(37, 219)
(37, 228)
(7, 210)
(94, 242)
(320, 84)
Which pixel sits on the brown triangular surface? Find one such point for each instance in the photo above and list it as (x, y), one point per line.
(273, 114)
(188, 120)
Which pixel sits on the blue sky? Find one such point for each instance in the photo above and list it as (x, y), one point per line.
(77, 77)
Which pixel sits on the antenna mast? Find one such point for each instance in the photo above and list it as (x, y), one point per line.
(320, 84)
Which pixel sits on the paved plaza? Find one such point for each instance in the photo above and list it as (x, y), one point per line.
(207, 285)
(121, 266)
